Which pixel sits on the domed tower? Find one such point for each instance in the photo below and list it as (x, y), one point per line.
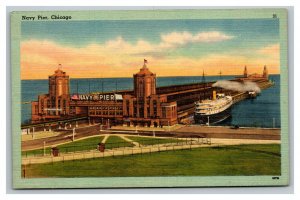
(265, 73)
(245, 72)
(144, 82)
(58, 83)
(59, 92)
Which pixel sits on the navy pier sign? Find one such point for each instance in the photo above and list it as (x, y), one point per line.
(97, 97)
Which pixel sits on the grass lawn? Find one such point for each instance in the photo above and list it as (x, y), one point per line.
(152, 141)
(116, 142)
(262, 159)
(79, 145)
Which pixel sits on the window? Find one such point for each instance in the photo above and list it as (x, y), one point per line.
(127, 106)
(64, 105)
(155, 108)
(164, 114)
(36, 109)
(42, 105)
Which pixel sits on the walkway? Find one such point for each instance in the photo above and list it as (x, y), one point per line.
(39, 135)
(129, 140)
(106, 136)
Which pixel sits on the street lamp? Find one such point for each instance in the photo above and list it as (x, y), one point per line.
(73, 134)
(44, 148)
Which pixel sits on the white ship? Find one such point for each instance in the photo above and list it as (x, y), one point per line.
(213, 111)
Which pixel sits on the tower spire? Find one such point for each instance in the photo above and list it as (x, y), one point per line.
(265, 72)
(245, 72)
(144, 82)
(203, 77)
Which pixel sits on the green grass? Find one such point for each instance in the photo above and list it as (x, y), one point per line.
(262, 159)
(80, 145)
(116, 142)
(152, 141)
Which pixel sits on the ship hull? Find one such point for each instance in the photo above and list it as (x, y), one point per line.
(212, 119)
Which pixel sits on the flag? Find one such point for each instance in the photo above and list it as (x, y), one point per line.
(145, 61)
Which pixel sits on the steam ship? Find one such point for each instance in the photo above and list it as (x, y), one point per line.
(213, 111)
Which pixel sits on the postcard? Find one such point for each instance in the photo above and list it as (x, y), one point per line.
(149, 98)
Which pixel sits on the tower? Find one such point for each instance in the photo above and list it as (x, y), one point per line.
(245, 72)
(144, 82)
(265, 73)
(58, 83)
(203, 77)
(59, 92)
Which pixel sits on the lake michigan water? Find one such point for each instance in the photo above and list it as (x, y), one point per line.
(264, 111)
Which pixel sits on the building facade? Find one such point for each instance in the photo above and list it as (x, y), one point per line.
(56, 103)
(140, 107)
(146, 105)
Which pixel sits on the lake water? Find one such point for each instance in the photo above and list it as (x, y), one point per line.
(264, 111)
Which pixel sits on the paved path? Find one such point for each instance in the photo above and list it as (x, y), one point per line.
(39, 135)
(140, 150)
(129, 140)
(227, 132)
(106, 136)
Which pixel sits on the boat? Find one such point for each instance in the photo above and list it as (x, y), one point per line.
(252, 94)
(213, 111)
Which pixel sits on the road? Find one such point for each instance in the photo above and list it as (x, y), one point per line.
(227, 132)
(65, 136)
(188, 131)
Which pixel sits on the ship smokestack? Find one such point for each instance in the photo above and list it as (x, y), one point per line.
(214, 95)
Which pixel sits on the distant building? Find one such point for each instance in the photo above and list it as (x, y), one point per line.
(245, 72)
(265, 72)
(264, 75)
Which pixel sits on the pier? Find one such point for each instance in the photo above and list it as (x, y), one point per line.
(145, 106)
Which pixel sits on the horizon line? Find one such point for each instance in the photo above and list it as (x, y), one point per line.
(131, 77)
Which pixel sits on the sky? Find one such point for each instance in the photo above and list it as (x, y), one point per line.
(96, 49)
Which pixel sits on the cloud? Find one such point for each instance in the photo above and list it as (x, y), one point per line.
(119, 58)
(175, 39)
(167, 41)
(119, 43)
(112, 52)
